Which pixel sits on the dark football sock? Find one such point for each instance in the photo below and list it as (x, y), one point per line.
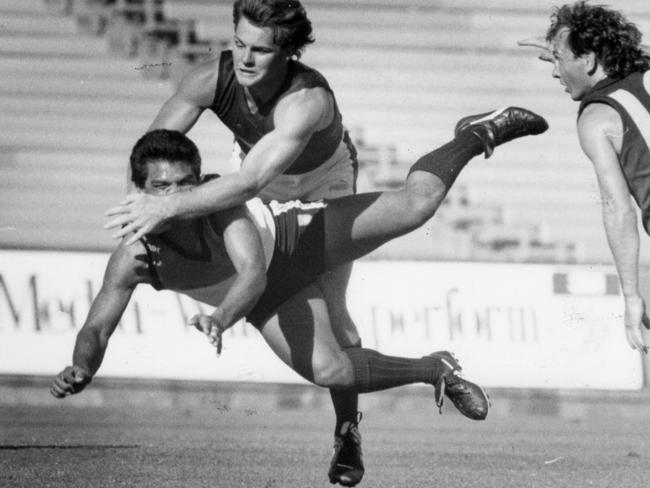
(346, 403)
(374, 371)
(448, 160)
(346, 406)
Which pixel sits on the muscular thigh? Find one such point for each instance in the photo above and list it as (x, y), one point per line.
(300, 332)
(340, 181)
(335, 178)
(333, 284)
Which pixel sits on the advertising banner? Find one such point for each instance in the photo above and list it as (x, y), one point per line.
(510, 325)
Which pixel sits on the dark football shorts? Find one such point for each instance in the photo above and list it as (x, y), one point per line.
(298, 257)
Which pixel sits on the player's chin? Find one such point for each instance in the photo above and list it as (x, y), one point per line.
(248, 79)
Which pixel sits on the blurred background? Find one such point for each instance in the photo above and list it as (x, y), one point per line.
(515, 267)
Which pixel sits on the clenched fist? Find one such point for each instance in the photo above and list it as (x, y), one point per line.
(71, 380)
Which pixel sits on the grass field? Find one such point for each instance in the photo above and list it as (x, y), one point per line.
(255, 445)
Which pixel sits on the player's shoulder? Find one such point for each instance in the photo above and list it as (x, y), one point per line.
(201, 79)
(209, 67)
(308, 87)
(128, 265)
(309, 103)
(310, 94)
(600, 129)
(221, 219)
(599, 117)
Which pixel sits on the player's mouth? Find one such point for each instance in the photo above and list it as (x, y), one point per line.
(246, 72)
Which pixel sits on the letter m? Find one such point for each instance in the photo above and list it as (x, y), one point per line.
(13, 311)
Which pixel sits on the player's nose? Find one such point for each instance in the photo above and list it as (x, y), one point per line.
(247, 57)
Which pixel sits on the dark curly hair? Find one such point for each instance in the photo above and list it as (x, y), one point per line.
(287, 18)
(605, 32)
(162, 144)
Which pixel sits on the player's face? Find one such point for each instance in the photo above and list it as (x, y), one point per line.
(572, 71)
(257, 59)
(165, 177)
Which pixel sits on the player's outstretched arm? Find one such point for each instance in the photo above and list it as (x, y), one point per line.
(296, 119)
(105, 312)
(245, 250)
(598, 127)
(546, 54)
(636, 319)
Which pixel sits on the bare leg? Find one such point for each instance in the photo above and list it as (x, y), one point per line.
(334, 285)
(359, 224)
(301, 335)
(339, 181)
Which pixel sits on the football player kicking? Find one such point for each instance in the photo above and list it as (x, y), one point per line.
(249, 260)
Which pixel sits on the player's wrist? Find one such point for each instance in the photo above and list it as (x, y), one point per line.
(171, 207)
(219, 319)
(82, 370)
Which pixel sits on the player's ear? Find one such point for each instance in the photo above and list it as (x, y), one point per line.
(591, 62)
(291, 54)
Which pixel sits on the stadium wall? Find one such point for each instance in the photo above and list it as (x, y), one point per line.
(515, 326)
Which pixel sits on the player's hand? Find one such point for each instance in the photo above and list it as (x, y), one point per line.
(540, 43)
(635, 319)
(211, 326)
(138, 213)
(71, 380)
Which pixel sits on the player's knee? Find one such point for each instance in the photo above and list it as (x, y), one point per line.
(333, 372)
(423, 203)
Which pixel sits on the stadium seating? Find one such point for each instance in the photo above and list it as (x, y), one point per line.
(71, 112)
(80, 88)
(395, 52)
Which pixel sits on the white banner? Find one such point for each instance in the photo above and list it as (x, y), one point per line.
(511, 325)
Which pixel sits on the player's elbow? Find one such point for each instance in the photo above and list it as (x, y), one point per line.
(256, 278)
(248, 191)
(253, 178)
(91, 332)
(250, 183)
(260, 281)
(618, 213)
